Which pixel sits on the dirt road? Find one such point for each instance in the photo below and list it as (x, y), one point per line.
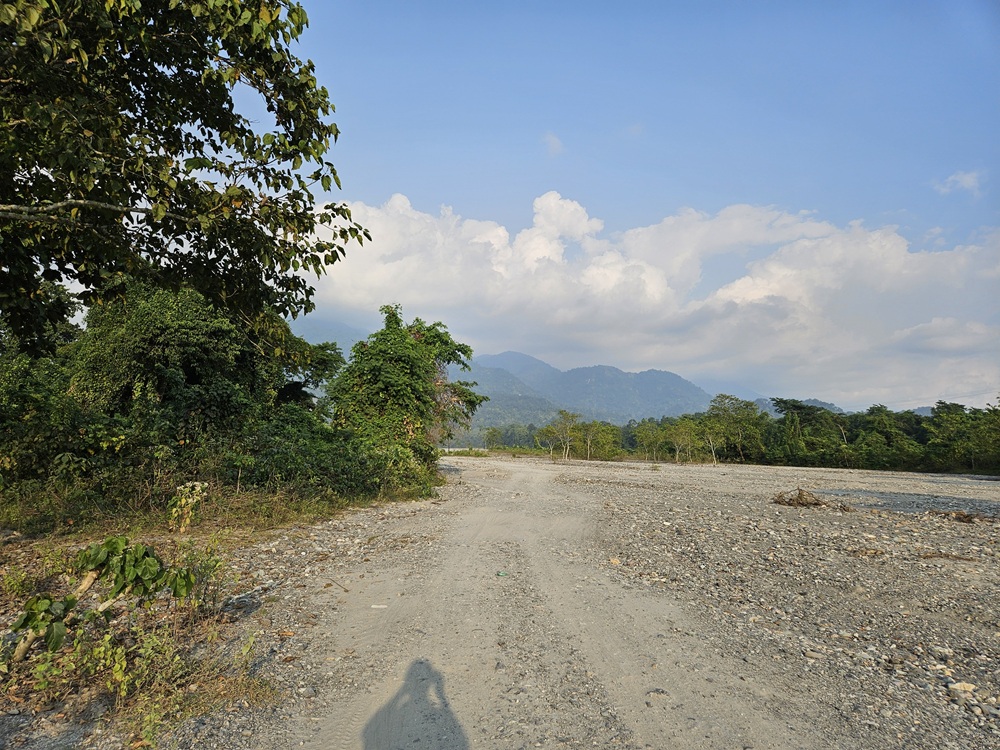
(610, 605)
(520, 611)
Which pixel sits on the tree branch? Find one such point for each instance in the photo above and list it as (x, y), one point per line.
(33, 213)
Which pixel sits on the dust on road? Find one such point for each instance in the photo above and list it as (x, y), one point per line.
(510, 623)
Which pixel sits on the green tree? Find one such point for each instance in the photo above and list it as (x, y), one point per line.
(883, 443)
(599, 439)
(394, 397)
(123, 153)
(682, 435)
(158, 355)
(39, 420)
(741, 424)
(956, 440)
(492, 437)
(649, 437)
(987, 435)
(563, 432)
(807, 435)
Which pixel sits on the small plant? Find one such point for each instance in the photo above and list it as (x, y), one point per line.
(200, 569)
(16, 583)
(134, 570)
(183, 505)
(43, 616)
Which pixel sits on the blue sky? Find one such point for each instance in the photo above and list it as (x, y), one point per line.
(799, 197)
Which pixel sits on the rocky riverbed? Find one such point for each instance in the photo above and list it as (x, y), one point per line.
(540, 604)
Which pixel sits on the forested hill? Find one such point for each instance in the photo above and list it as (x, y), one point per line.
(523, 389)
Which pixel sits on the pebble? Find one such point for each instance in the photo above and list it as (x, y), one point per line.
(860, 595)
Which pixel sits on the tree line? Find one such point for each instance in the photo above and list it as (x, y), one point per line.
(954, 438)
(159, 388)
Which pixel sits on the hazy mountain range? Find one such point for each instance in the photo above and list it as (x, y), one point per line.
(526, 390)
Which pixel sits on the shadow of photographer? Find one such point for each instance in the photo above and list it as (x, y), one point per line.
(418, 712)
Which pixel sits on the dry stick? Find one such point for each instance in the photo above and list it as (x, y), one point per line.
(23, 645)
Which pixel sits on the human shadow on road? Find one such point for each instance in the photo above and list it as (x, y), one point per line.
(418, 712)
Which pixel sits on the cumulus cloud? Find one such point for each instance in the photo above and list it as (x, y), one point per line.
(969, 181)
(848, 313)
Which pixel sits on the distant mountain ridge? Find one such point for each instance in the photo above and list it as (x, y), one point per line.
(525, 390)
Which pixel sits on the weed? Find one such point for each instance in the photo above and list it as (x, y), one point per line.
(205, 567)
(17, 584)
(184, 504)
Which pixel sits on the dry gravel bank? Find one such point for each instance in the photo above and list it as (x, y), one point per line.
(537, 604)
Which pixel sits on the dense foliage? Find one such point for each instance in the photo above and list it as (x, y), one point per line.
(123, 153)
(954, 438)
(160, 388)
(395, 400)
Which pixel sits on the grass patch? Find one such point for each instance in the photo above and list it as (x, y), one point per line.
(155, 662)
(144, 658)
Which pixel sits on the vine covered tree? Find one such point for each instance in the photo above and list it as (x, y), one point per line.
(396, 400)
(123, 153)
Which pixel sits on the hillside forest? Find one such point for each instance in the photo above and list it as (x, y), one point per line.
(953, 438)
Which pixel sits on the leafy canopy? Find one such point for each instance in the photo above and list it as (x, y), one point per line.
(123, 153)
(395, 396)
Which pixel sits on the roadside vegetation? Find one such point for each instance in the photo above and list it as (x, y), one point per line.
(155, 436)
(953, 438)
(155, 406)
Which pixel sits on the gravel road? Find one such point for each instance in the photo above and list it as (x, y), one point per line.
(541, 604)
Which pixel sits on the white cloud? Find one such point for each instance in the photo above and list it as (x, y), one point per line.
(970, 181)
(553, 145)
(845, 313)
(944, 336)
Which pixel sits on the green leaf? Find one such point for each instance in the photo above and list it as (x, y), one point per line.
(115, 545)
(148, 569)
(55, 634)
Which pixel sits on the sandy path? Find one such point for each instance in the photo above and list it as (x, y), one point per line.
(504, 636)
